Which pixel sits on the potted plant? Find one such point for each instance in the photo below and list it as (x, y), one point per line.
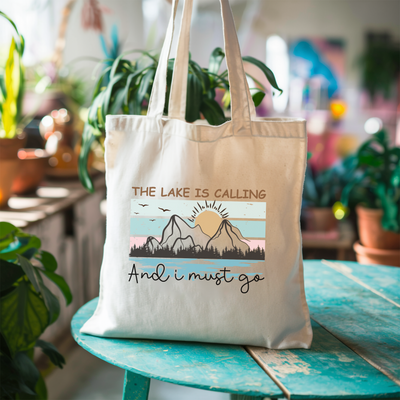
(129, 87)
(321, 195)
(376, 177)
(27, 308)
(11, 93)
(20, 169)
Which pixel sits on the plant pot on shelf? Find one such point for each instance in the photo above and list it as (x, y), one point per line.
(377, 246)
(319, 219)
(32, 170)
(10, 164)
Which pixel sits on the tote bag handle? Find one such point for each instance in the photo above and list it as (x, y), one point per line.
(177, 101)
(242, 105)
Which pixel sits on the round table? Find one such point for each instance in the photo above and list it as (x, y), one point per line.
(355, 312)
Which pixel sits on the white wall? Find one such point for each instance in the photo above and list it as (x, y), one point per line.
(126, 14)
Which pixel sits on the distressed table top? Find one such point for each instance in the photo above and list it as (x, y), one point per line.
(355, 312)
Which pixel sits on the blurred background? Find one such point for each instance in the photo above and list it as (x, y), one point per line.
(336, 61)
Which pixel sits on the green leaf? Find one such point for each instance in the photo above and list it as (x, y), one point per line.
(41, 389)
(29, 271)
(93, 118)
(226, 99)
(267, 72)
(60, 282)
(4, 349)
(118, 100)
(98, 88)
(201, 76)
(47, 260)
(395, 151)
(105, 105)
(193, 98)
(115, 66)
(212, 112)
(21, 45)
(144, 85)
(9, 273)
(128, 88)
(134, 106)
(6, 228)
(23, 317)
(215, 61)
(349, 187)
(51, 351)
(258, 98)
(390, 219)
(27, 370)
(87, 140)
(15, 380)
(370, 160)
(395, 178)
(51, 301)
(10, 381)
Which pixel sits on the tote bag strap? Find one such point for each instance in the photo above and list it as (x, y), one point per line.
(157, 96)
(241, 103)
(177, 100)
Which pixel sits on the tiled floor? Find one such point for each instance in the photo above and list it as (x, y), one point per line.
(86, 377)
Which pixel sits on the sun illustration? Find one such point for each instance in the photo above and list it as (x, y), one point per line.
(209, 222)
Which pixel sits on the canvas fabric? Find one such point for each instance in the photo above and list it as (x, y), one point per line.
(203, 238)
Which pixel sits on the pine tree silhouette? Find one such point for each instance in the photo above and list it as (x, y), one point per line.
(197, 252)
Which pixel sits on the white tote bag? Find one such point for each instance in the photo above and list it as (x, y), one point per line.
(203, 236)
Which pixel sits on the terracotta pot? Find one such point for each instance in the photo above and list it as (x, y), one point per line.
(369, 255)
(32, 170)
(320, 219)
(9, 165)
(371, 232)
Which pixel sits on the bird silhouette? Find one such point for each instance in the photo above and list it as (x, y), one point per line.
(152, 220)
(163, 209)
(143, 205)
(136, 213)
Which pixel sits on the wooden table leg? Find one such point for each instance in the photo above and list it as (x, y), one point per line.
(136, 387)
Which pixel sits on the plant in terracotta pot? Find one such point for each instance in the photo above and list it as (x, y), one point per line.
(129, 87)
(19, 172)
(11, 93)
(377, 177)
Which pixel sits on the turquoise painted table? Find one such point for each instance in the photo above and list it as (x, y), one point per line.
(355, 354)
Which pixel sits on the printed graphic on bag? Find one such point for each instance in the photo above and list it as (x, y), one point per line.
(186, 238)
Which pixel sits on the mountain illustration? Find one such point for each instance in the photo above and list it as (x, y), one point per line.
(178, 229)
(179, 240)
(228, 237)
(152, 244)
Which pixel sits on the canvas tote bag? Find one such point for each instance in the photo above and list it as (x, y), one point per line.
(203, 239)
